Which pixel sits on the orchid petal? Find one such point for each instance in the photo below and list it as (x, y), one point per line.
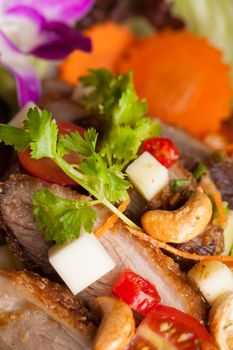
(20, 66)
(66, 11)
(32, 22)
(42, 38)
(58, 40)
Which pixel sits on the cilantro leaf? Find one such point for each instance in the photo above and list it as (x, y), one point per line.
(40, 133)
(108, 182)
(113, 96)
(84, 146)
(43, 132)
(62, 219)
(123, 142)
(12, 136)
(128, 109)
(128, 127)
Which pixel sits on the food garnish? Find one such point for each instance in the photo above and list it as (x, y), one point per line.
(109, 42)
(101, 169)
(110, 222)
(178, 184)
(210, 19)
(183, 79)
(114, 98)
(169, 248)
(200, 170)
(40, 29)
(46, 169)
(163, 149)
(167, 328)
(138, 293)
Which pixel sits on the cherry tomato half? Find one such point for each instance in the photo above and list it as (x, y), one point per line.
(164, 150)
(45, 168)
(168, 328)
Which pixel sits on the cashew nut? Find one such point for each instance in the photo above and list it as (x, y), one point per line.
(117, 326)
(180, 225)
(221, 321)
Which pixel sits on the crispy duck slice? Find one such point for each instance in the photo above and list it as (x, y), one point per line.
(37, 313)
(126, 250)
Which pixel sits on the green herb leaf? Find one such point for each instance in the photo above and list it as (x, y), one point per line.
(84, 146)
(62, 219)
(43, 133)
(199, 171)
(123, 142)
(40, 133)
(12, 136)
(113, 96)
(178, 184)
(107, 182)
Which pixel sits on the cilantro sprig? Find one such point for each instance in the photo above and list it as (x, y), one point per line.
(101, 171)
(106, 184)
(115, 98)
(62, 219)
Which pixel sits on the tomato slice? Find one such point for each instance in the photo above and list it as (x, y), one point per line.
(168, 328)
(45, 168)
(163, 149)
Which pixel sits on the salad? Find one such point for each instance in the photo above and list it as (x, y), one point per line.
(116, 191)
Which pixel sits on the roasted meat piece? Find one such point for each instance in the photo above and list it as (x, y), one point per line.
(36, 313)
(221, 172)
(210, 242)
(126, 250)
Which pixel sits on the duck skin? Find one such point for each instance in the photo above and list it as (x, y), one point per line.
(126, 250)
(34, 310)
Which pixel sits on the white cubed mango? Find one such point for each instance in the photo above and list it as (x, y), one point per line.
(80, 262)
(213, 278)
(148, 175)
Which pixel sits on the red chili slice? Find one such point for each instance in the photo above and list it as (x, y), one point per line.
(167, 328)
(164, 150)
(137, 292)
(45, 168)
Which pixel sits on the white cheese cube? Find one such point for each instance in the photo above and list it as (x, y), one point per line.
(213, 278)
(148, 175)
(80, 262)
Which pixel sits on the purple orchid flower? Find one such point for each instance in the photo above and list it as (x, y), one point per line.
(41, 28)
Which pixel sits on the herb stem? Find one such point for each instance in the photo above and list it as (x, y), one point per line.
(78, 177)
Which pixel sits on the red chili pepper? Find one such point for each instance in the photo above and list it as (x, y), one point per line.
(164, 150)
(137, 292)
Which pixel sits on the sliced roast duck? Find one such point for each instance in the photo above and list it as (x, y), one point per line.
(126, 250)
(37, 313)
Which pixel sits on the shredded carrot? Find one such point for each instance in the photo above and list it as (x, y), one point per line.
(178, 252)
(109, 42)
(110, 222)
(210, 188)
(183, 79)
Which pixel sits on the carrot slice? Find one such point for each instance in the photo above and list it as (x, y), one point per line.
(109, 42)
(111, 220)
(183, 79)
(180, 253)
